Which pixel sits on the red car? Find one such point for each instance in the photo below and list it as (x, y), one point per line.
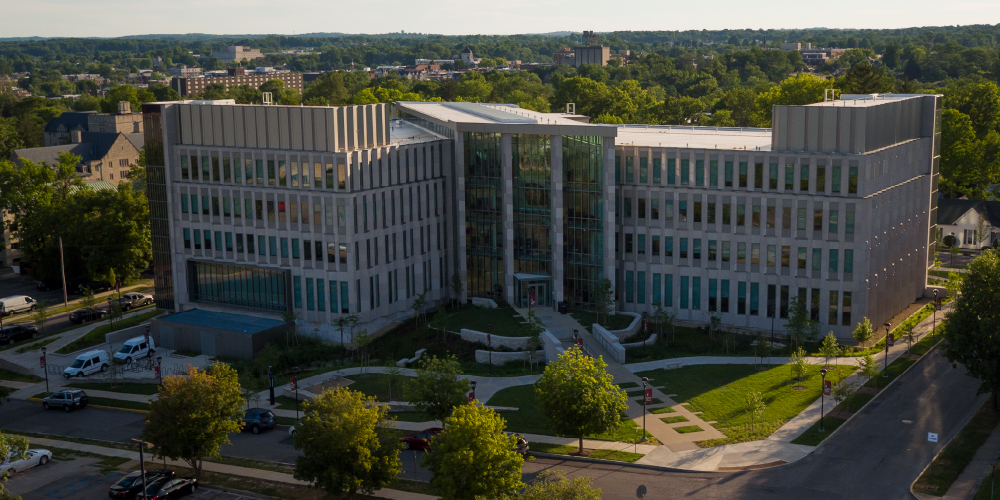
(419, 440)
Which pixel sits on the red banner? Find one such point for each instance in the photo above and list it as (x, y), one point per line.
(827, 387)
(649, 395)
(892, 340)
(41, 361)
(156, 371)
(472, 397)
(293, 384)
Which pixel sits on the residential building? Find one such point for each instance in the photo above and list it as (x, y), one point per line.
(185, 71)
(104, 156)
(468, 58)
(334, 211)
(188, 86)
(237, 53)
(973, 223)
(814, 57)
(57, 131)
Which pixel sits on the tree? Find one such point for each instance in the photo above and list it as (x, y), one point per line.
(863, 332)
(864, 78)
(392, 374)
(364, 340)
(249, 390)
(830, 347)
(346, 443)
(753, 407)
(194, 415)
(577, 395)
(15, 447)
(800, 325)
(418, 306)
(437, 389)
(556, 486)
(801, 89)
(959, 150)
(457, 286)
(533, 330)
(290, 316)
(843, 390)
(41, 315)
(869, 367)
(798, 363)
(971, 328)
(604, 299)
(982, 230)
(473, 456)
(9, 138)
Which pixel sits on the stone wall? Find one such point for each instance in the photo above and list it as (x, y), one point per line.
(514, 343)
(631, 329)
(500, 358)
(610, 343)
(650, 341)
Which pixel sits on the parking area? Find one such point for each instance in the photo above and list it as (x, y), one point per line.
(81, 479)
(13, 284)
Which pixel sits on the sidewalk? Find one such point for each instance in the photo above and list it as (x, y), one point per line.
(978, 470)
(232, 470)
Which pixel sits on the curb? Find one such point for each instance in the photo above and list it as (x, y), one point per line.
(570, 458)
(231, 491)
(133, 410)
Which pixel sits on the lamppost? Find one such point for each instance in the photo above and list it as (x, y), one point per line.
(472, 397)
(645, 380)
(142, 463)
(934, 328)
(45, 367)
(822, 398)
(772, 311)
(295, 386)
(159, 369)
(489, 343)
(270, 385)
(885, 371)
(341, 321)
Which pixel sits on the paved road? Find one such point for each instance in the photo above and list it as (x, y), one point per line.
(875, 456)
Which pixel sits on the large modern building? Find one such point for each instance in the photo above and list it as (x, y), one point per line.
(357, 210)
(196, 85)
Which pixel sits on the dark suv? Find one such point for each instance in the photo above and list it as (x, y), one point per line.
(67, 400)
(13, 333)
(258, 419)
(130, 486)
(83, 315)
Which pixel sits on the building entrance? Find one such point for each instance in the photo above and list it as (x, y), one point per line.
(533, 290)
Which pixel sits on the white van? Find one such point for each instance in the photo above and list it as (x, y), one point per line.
(87, 363)
(16, 304)
(135, 348)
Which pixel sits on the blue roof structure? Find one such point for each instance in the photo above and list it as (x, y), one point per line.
(223, 321)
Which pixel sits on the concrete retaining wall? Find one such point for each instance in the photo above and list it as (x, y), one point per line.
(631, 329)
(497, 341)
(552, 346)
(119, 337)
(650, 341)
(609, 342)
(16, 368)
(484, 302)
(500, 358)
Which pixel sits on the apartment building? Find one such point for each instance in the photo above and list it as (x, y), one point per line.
(237, 53)
(357, 210)
(196, 85)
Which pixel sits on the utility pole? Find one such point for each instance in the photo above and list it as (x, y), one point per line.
(142, 463)
(62, 270)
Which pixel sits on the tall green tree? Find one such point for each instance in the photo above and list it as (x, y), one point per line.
(799, 325)
(576, 394)
(438, 388)
(972, 329)
(863, 332)
(15, 447)
(960, 153)
(473, 457)
(865, 78)
(194, 415)
(346, 443)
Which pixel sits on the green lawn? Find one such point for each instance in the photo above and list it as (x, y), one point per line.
(895, 369)
(377, 385)
(959, 452)
(719, 392)
(37, 345)
(17, 377)
(654, 401)
(665, 409)
(503, 320)
(97, 335)
(675, 419)
(627, 385)
(565, 449)
(813, 437)
(683, 341)
(124, 388)
(687, 429)
(613, 322)
(920, 348)
(529, 419)
(415, 416)
(856, 401)
(286, 403)
(987, 490)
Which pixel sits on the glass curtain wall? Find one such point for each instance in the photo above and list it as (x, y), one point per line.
(532, 172)
(583, 244)
(242, 286)
(483, 216)
(159, 213)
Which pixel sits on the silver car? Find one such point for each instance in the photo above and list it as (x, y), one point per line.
(33, 458)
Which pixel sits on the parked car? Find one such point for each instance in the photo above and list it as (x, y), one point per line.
(419, 440)
(135, 348)
(258, 419)
(134, 299)
(88, 363)
(16, 304)
(130, 486)
(171, 488)
(68, 400)
(48, 284)
(33, 458)
(83, 315)
(18, 331)
(94, 286)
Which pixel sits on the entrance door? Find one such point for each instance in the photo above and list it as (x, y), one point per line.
(538, 292)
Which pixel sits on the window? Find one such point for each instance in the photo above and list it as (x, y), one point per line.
(770, 217)
(215, 206)
(225, 207)
(629, 286)
(229, 242)
(727, 214)
(208, 240)
(654, 211)
(187, 238)
(834, 216)
(699, 173)
(297, 285)
(848, 260)
(729, 174)
(657, 166)
(270, 173)
(835, 187)
(643, 168)
(668, 290)
(712, 250)
(295, 248)
(204, 205)
(642, 244)
(832, 317)
(250, 244)
(802, 255)
(684, 248)
(772, 256)
(184, 203)
(845, 310)
(628, 206)
(261, 245)
(789, 176)
(685, 171)
(713, 173)
(771, 299)
(696, 250)
(629, 169)
(786, 256)
(743, 174)
(852, 188)
(711, 213)
(197, 239)
(758, 175)
(684, 292)
(786, 217)
(656, 289)
(310, 297)
(772, 178)
(741, 215)
(725, 296)
(656, 245)
(818, 220)
(820, 178)
(696, 293)
(833, 260)
(697, 211)
(755, 254)
(804, 177)
(725, 251)
(783, 305)
(817, 259)
(754, 299)
(671, 171)
(282, 173)
(642, 208)
(713, 292)
(741, 252)
(641, 288)
(272, 244)
(802, 220)
(755, 217)
(668, 248)
(682, 211)
(849, 222)
(669, 210)
(628, 243)
(741, 297)
(184, 167)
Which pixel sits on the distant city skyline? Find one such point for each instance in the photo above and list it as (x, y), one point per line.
(114, 18)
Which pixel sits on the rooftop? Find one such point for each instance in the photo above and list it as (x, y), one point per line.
(403, 132)
(675, 136)
(223, 321)
(497, 114)
(866, 100)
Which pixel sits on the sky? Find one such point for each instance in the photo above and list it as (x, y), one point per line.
(112, 18)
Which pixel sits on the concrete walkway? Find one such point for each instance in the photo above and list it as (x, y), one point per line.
(233, 470)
